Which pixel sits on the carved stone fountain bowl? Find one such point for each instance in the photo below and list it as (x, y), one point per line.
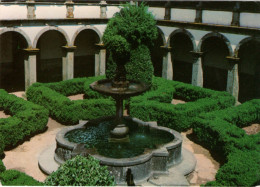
(105, 86)
(142, 166)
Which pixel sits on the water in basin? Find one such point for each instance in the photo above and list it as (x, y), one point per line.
(140, 138)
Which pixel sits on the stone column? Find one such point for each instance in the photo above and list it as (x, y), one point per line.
(236, 15)
(198, 18)
(30, 66)
(68, 62)
(167, 14)
(103, 9)
(233, 79)
(70, 9)
(197, 72)
(167, 71)
(31, 9)
(100, 60)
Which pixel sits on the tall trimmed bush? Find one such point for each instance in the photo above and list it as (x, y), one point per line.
(128, 37)
(81, 171)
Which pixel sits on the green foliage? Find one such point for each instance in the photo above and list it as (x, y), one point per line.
(17, 178)
(26, 120)
(220, 131)
(2, 166)
(140, 67)
(81, 171)
(155, 105)
(63, 109)
(128, 37)
(242, 169)
(2, 145)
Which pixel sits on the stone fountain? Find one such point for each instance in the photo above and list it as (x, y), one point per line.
(128, 146)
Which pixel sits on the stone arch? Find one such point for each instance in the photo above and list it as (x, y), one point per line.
(245, 40)
(184, 31)
(162, 35)
(48, 29)
(181, 42)
(26, 37)
(218, 35)
(157, 53)
(248, 68)
(85, 28)
(13, 41)
(215, 47)
(86, 55)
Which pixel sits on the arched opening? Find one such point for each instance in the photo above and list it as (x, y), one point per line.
(249, 71)
(84, 61)
(214, 63)
(157, 55)
(12, 61)
(181, 57)
(49, 59)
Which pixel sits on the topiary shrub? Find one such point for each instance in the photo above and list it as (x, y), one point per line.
(2, 166)
(17, 178)
(81, 171)
(128, 37)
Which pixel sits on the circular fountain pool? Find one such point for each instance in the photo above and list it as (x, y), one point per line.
(150, 149)
(141, 139)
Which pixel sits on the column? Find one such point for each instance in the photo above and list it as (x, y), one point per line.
(167, 14)
(167, 71)
(236, 15)
(30, 66)
(232, 80)
(100, 60)
(103, 9)
(198, 18)
(70, 9)
(68, 62)
(197, 72)
(31, 9)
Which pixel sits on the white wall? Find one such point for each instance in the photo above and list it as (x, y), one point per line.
(157, 12)
(217, 17)
(250, 20)
(13, 12)
(83, 11)
(50, 11)
(111, 10)
(187, 15)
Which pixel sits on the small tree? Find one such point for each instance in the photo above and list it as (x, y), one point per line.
(131, 28)
(81, 171)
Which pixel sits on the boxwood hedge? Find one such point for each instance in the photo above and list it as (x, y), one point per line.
(26, 120)
(221, 132)
(155, 105)
(17, 178)
(53, 97)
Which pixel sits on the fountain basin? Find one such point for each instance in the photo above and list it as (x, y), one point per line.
(142, 166)
(105, 86)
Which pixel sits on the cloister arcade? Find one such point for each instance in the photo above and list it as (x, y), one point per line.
(218, 58)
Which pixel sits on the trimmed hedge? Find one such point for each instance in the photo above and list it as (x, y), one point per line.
(26, 119)
(2, 166)
(17, 178)
(53, 97)
(153, 105)
(221, 132)
(81, 171)
(128, 37)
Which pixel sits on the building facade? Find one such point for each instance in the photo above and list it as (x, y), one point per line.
(214, 45)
